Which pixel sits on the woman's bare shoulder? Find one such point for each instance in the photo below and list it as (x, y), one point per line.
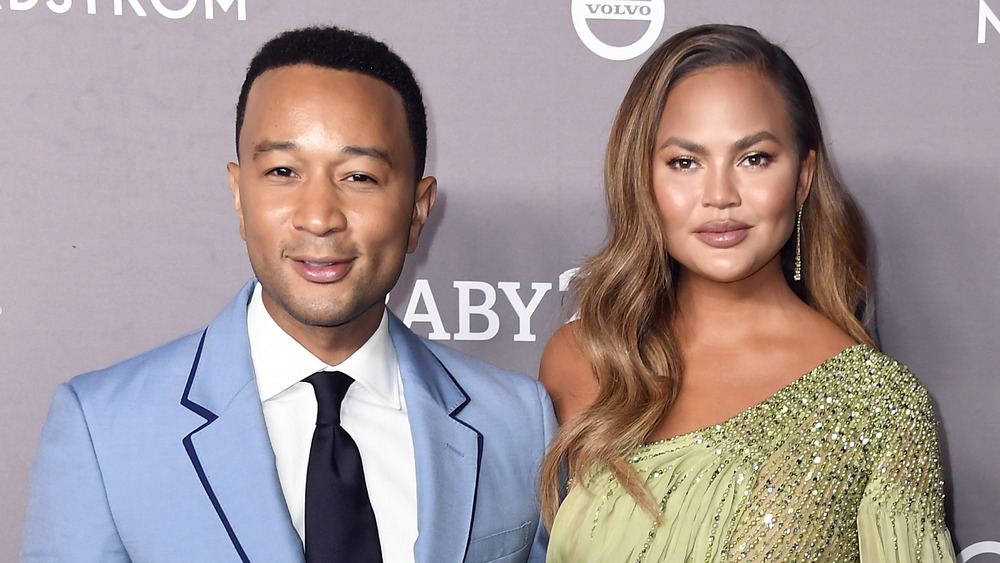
(566, 373)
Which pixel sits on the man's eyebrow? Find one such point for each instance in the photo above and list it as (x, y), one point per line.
(370, 152)
(268, 146)
(353, 150)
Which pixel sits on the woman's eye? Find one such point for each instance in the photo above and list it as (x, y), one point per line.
(757, 160)
(682, 163)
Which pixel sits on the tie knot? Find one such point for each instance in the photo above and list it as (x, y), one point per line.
(330, 388)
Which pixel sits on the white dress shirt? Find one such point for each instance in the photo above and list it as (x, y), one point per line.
(373, 413)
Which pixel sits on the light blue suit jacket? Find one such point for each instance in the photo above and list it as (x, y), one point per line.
(165, 457)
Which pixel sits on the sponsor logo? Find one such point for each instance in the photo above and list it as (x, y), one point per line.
(650, 11)
(987, 15)
(480, 300)
(177, 9)
(981, 548)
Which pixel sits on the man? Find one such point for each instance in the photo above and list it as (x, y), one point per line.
(202, 449)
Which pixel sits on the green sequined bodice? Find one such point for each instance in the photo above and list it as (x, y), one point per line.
(840, 465)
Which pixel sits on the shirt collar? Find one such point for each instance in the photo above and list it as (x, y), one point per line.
(279, 361)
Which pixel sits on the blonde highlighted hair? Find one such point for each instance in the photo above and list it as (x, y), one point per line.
(626, 292)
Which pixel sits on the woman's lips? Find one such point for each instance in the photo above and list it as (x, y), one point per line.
(722, 234)
(321, 270)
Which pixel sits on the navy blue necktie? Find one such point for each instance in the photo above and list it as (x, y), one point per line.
(340, 523)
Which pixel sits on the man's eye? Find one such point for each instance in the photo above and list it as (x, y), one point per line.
(280, 171)
(360, 178)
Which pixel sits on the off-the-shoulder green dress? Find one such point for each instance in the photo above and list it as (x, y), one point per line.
(841, 465)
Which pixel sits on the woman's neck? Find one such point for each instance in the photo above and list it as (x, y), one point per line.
(730, 311)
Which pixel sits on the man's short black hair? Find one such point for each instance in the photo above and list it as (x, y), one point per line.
(343, 49)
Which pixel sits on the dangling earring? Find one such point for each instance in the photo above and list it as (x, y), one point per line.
(797, 273)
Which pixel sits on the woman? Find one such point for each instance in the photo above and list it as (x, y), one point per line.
(735, 264)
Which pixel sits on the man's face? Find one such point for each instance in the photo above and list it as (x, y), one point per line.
(326, 196)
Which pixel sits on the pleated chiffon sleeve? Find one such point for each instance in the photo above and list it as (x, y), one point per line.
(901, 516)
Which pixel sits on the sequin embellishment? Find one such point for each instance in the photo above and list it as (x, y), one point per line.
(843, 460)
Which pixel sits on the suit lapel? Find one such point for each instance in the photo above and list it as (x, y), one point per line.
(231, 451)
(447, 451)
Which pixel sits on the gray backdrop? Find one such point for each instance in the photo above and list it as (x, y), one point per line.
(117, 230)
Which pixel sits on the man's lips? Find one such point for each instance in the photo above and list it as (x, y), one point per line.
(722, 234)
(319, 269)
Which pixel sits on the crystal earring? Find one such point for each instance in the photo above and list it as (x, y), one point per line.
(797, 273)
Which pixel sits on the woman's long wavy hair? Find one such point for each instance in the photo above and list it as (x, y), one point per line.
(626, 293)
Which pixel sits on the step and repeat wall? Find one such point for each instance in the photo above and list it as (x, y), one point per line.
(117, 229)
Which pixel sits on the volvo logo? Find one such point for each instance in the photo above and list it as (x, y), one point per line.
(650, 11)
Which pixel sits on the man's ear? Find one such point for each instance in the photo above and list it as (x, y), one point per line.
(423, 201)
(234, 186)
(807, 171)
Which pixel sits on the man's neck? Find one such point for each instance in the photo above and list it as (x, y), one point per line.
(331, 344)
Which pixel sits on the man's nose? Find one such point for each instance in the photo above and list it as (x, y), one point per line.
(319, 208)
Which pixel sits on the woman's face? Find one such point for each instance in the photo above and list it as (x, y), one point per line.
(727, 176)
